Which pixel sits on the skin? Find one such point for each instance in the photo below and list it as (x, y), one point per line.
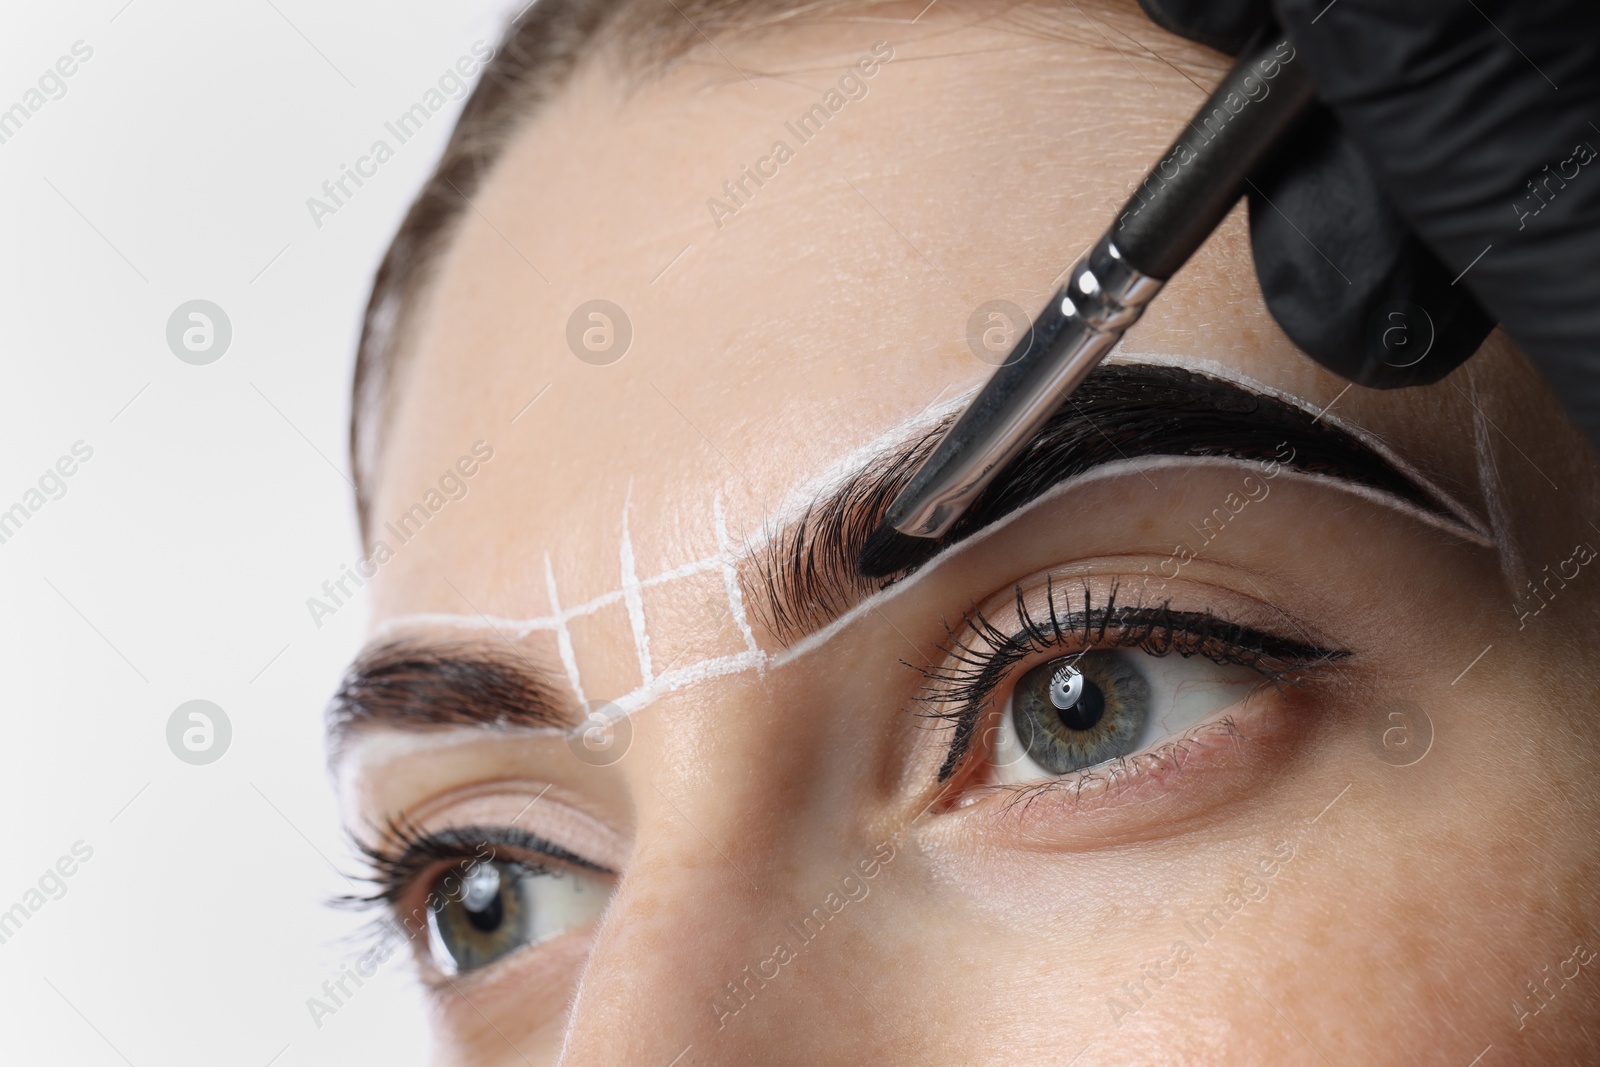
(1407, 907)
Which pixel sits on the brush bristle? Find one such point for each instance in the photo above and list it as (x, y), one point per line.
(888, 551)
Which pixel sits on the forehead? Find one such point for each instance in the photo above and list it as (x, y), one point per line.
(783, 306)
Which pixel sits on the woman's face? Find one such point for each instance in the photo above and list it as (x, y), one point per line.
(976, 817)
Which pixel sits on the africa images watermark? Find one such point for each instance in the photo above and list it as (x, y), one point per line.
(1582, 554)
(52, 485)
(1251, 490)
(397, 931)
(51, 85)
(853, 889)
(1540, 192)
(1256, 87)
(451, 85)
(852, 85)
(453, 485)
(1540, 993)
(51, 885)
(1204, 927)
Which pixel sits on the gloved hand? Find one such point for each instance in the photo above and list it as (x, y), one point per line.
(1455, 153)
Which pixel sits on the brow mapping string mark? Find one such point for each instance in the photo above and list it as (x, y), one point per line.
(546, 623)
(1477, 526)
(682, 677)
(730, 578)
(1489, 484)
(569, 659)
(630, 593)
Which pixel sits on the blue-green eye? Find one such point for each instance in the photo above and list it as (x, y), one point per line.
(1089, 708)
(491, 909)
(1075, 712)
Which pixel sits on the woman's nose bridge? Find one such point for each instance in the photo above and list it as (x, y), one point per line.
(724, 940)
(676, 937)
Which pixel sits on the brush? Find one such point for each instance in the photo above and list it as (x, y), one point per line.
(1180, 202)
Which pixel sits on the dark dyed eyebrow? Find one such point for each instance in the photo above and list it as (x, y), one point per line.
(804, 576)
(410, 685)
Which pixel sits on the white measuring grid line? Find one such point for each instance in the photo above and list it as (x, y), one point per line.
(569, 659)
(522, 627)
(730, 579)
(630, 594)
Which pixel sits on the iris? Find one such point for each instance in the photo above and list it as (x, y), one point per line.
(1080, 710)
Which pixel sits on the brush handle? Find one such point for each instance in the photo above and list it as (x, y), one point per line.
(1171, 214)
(1205, 171)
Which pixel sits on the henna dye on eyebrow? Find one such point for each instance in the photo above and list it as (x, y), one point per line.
(1121, 411)
(1125, 412)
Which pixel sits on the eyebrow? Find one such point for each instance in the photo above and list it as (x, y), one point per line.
(804, 576)
(410, 685)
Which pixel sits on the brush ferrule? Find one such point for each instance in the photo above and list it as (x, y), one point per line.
(1104, 295)
(1105, 291)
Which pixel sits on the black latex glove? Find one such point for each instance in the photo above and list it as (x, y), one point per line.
(1434, 117)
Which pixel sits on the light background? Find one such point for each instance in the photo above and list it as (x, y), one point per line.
(178, 563)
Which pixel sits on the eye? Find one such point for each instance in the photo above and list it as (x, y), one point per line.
(491, 909)
(1089, 708)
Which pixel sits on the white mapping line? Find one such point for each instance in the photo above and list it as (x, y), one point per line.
(524, 627)
(1115, 468)
(520, 627)
(569, 659)
(680, 677)
(1213, 369)
(804, 496)
(1489, 483)
(730, 576)
(1118, 468)
(631, 597)
(1472, 528)
(684, 571)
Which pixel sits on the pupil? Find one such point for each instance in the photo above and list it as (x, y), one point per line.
(1089, 709)
(488, 917)
(482, 900)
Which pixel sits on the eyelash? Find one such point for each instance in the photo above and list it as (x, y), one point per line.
(981, 656)
(979, 659)
(407, 854)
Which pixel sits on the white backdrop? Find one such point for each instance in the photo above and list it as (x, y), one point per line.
(174, 164)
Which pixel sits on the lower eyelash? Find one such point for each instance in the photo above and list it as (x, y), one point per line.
(980, 658)
(1122, 771)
